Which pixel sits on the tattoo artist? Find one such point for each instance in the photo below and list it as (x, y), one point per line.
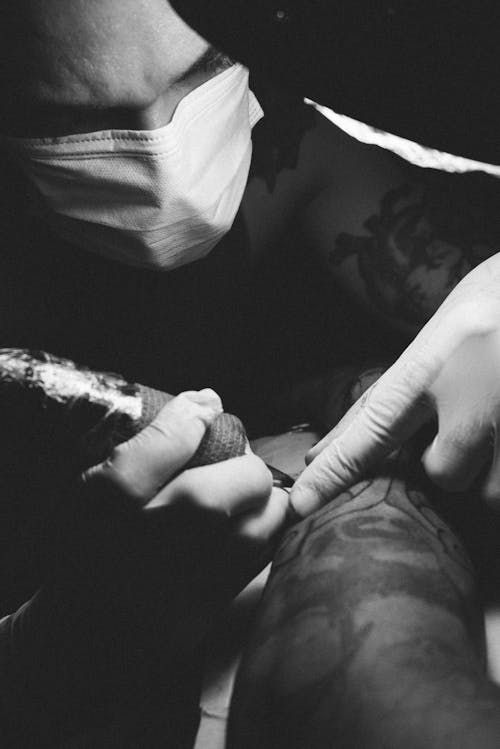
(142, 179)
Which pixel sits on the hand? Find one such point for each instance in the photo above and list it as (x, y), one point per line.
(197, 535)
(146, 472)
(450, 372)
(152, 553)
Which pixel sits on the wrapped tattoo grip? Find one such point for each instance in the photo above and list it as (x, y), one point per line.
(53, 409)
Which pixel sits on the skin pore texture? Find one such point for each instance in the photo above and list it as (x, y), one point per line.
(74, 66)
(369, 634)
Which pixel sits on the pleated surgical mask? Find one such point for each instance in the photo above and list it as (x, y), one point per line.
(155, 199)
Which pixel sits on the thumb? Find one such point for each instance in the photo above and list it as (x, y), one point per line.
(137, 469)
(380, 421)
(350, 415)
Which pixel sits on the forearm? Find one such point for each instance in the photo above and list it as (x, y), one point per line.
(369, 634)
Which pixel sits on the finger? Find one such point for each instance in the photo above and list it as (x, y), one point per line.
(359, 394)
(456, 457)
(229, 488)
(389, 413)
(261, 526)
(339, 428)
(137, 469)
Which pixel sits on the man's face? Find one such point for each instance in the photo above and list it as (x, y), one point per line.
(75, 66)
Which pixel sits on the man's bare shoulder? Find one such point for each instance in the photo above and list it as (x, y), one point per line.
(397, 235)
(326, 159)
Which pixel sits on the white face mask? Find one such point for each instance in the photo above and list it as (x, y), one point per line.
(151, 198)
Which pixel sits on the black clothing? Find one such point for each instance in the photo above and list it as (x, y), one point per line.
(426, 71)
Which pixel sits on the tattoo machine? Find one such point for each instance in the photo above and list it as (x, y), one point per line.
(58, 408)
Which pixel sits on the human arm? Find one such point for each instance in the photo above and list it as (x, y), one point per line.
(448, 372)
(135, 588)
(408, 244)
(369, 633)
(59, 419)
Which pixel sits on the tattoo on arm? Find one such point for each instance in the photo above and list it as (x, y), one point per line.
(369, 633)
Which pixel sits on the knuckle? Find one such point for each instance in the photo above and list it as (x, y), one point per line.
(180, 427)
(116, 476)
(339, 465)
(183, 403)
(380, 414)
(190, 405)
(190, 493)
(163, 433)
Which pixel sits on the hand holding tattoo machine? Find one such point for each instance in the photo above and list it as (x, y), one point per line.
(57, 408)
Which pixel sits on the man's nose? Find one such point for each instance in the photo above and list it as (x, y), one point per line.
(155, 115)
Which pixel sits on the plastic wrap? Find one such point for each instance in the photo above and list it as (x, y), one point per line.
(53, 409)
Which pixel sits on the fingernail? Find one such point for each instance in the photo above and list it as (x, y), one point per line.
(301, 501)
(205, 397)
(309, 456)
(292, 516)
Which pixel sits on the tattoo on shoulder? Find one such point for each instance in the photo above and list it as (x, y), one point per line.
(418, 246)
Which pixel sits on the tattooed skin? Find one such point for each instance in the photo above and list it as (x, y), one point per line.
(417, 248)
(369, 634)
